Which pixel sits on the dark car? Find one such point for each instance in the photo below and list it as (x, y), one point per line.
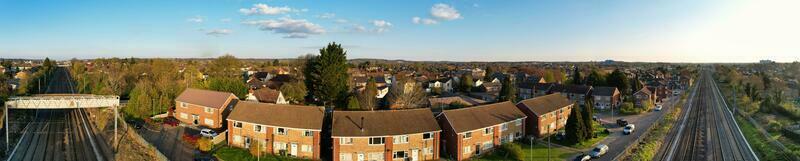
(622, 122)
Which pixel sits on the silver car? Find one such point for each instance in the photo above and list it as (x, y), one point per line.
(598, 151)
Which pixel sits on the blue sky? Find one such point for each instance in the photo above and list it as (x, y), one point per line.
(455, 30)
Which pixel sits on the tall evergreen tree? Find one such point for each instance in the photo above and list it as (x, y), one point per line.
(508, 91)
(575, 129)
(576, 77)
(595, 79)
(328, 76)
(587, 114)
(488, 73)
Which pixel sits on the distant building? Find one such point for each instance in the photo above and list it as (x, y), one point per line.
(606, 97)
(266, 95)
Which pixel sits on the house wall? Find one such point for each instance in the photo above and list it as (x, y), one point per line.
(541, 124)
(361, 145)
(269, 138)
(184, 114)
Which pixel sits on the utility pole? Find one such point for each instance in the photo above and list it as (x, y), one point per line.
(548, 148)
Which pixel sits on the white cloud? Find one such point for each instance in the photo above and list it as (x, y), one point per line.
(327, 15)
(358, 28)
(424, 21)
(292, 28)
(196, 19)
(381, 25)
(219, 32)
(445, 12)
(265, 9)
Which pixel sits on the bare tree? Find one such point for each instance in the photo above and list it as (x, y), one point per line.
(405, 94)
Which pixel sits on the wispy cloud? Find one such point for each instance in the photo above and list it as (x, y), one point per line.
(264, 9)
(445, 12)
(290, 28)
(219, 32)
(196, 19)
(327, 15)
(225, 20)
(424, 21)
(381, 25)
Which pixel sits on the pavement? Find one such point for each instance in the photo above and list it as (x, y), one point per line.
(168, 140)
(618, 142)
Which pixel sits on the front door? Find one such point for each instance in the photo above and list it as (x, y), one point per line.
(360, 157)
(293, 151)
(415, 155)
(477, 149)
(246, 142)
(195, 119)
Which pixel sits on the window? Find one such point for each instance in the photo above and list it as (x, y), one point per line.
(400, 139)
(376, 141)
(345, 141)
(280, 146)
(257, 128)
(504, 127)
(237, 139)
(427, 136)
(488, 131)
(376, 156)
(427, 150)
(399, 155)
(184, 115)
(487, 145)
(467, 149)
(467, 135)
(518, 134)
(237, 124)
(209, 110)
(518, 122)
(308, 133)
(184, 104)
(345, 157)
(280, 131)
(209, 122)
(306, 148)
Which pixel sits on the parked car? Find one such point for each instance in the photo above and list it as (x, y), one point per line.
(208, 133)
(628, 129)
(583, 157)
(622, 122)
(658, 108)
(598, 151)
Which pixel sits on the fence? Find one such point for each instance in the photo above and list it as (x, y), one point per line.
(222, 136)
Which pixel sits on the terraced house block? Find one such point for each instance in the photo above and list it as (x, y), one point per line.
(473, 131)
(197, 107)
(287, 130)
(385, 135)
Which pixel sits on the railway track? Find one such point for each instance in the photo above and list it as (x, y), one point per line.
(707, 131)
(59, 134)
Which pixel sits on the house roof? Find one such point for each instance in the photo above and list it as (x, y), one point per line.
(203, 97)
(545, 104)
(526, 85)
(471, 118)
(279, 115)
(604, 91)
(577, 89)
(469, 101)
(267, 95)
(645, 91)
(543, 86)
(383, 123)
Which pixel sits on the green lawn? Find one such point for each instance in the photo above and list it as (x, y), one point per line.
(237, 154)
(538, 152)
(598, 129)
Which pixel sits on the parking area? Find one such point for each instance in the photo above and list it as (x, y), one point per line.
(168, 140)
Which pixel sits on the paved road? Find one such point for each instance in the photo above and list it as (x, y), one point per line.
(60, 134)
(707, 130)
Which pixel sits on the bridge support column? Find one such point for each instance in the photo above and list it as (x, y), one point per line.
(116, 142)
(5, 114)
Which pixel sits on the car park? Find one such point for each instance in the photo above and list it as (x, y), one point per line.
(628, 129)
(208, 133)
(598, 151)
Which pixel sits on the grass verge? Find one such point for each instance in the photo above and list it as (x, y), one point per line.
(537, 152)
(227, 153)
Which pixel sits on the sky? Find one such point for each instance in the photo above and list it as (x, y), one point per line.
(438, 30)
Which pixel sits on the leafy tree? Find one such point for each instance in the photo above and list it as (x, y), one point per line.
(508, 92)
(327, 75)
(549, 77)
(595, 79)
(225, 66)
(619, 80)
(466, 82)
(367, 100)
(204, 144)
(575, 129)
(576, 77)
(232, 85)
(352, 103)
(488, 73)
(294, 91)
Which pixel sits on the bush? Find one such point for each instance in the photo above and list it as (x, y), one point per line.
(514, 151)
(627, 108)
(254, 149)
(204, 144)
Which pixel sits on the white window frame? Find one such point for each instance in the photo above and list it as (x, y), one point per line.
(345, 156)
(208, 110)
(308, 133)
(258, 128)
(488, 131)
(467, 150)
(518, 122)
(467, 135)
(382, 140)
(306, 148)
(400, 139)
(396, 155)
(235, 123)
(430, 136)
(504, 127)
(279, 129)
(345, 141)
(184, 105)
(184, 115)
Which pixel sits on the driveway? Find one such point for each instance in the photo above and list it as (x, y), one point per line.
(168, 141)
(616, 141)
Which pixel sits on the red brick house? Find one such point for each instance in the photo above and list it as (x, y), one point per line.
(546, 114)
(198, 107)
(290, 130)
(385, 135)
(473, 131)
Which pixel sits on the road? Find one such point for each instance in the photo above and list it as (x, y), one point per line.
(706, 130)
(60, 134)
